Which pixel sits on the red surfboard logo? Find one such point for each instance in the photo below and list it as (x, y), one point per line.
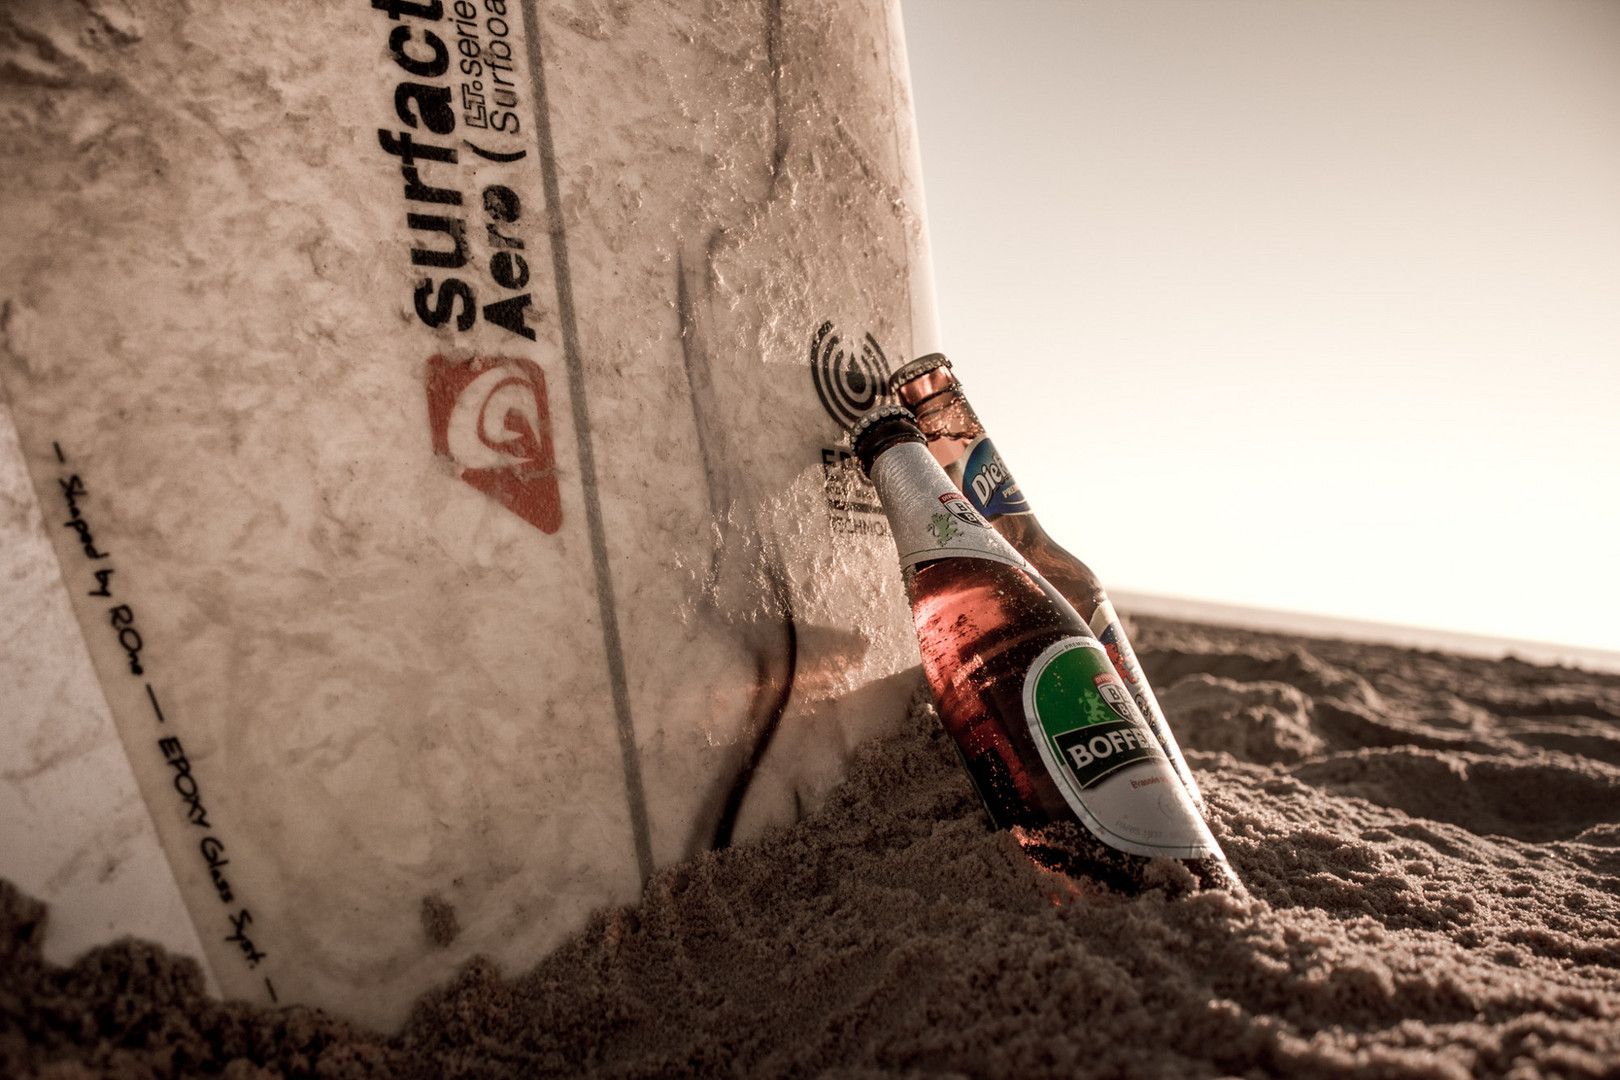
(491, 418)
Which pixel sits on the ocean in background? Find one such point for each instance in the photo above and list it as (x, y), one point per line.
(1327, 626)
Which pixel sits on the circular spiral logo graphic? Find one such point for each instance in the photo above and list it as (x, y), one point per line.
(851, 377)
(490, 417)
(495, 421)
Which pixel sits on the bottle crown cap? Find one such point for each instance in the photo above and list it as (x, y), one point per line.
(863, 436)
(882, 412)
(920, 366)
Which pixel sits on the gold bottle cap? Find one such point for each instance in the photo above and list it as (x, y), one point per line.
(920, 366)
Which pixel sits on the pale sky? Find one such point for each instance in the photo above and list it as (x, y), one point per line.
(1301, 305)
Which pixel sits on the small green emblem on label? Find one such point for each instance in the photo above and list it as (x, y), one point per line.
(943, 528)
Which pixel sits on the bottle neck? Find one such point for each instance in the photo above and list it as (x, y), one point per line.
(929, 517)
(943, 414)
(957, 440)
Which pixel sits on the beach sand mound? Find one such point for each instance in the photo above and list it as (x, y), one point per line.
(1429, 843)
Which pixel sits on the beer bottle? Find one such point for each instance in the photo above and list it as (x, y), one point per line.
(957, 441)
(1054, 744)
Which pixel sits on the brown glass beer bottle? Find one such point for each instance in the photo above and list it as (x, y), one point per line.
(957, 440)
(1052, 740)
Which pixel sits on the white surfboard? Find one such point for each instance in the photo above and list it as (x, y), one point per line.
(435, 408)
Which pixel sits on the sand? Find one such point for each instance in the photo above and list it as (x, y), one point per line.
(1429, 842)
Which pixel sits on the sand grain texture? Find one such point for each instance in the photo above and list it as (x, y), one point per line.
(1430, 843)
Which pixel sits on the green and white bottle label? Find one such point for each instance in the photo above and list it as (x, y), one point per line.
(929, 517)
(1107, 763)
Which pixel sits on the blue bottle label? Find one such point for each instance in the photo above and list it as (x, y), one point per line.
(987, 483)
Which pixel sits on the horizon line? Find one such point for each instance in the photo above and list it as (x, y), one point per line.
(1402, 635)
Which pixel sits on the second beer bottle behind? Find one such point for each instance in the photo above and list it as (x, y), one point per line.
(957, 440)
(1051, 739)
